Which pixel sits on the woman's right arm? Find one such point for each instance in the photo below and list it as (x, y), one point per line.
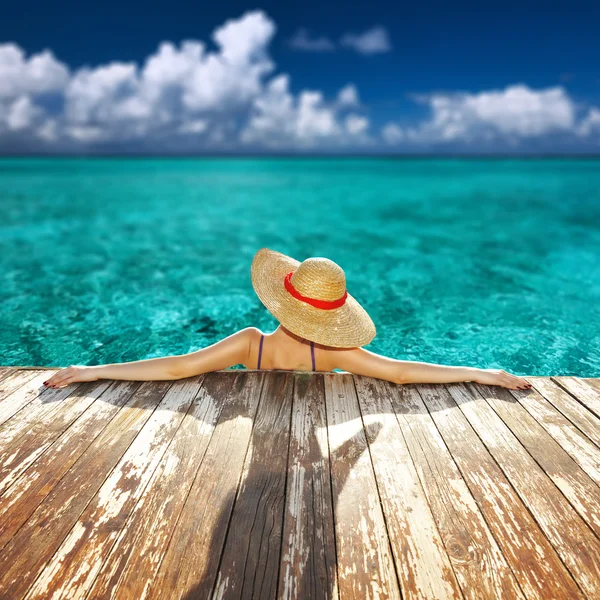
(364, 362)
(225, 353)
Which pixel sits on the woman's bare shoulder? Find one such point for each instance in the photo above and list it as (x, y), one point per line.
(253, 332)
(334, 358)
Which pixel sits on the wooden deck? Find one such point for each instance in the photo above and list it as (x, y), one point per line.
(245, 484)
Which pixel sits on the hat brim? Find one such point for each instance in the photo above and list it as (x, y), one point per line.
(348, 326)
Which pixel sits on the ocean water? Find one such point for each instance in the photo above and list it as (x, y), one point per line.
(488, 263)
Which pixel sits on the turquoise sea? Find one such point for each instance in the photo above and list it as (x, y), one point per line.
(489, 263)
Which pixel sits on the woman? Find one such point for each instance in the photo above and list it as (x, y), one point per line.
(321, 325)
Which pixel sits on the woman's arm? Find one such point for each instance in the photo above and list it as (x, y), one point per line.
(364, 362)
(228, 352)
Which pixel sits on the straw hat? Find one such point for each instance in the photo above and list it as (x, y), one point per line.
(310, 299)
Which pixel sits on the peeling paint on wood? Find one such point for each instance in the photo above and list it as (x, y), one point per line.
(13, 380)
(75, 564)
(298, 486)
(29, 438)
(308, 562)
(585, 393)
(583, 419)
(364, 556)
(574, 542)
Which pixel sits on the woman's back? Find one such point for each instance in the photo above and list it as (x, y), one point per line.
(284, 352)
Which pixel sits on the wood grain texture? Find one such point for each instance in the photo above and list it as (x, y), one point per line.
(535, 563)
(585, 420)
(585, 393)
(308, 559)
(594, 382)
(190, 563)
(560, 428)
(18, 394)
(250, 561)
(577, 486)
(24, 440)
(13, 380)
(364, 555)
(574, 542)
(143, 540)
(4, 373)
(36, 541)
(476, 557)
(72, 569)
(422, 563)
(247, 484)
(21, 498)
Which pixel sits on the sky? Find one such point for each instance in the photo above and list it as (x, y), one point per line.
(311, 77)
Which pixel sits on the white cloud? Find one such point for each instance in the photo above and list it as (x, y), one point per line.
(232, 77)
(175, 85)
(303, 41)
(243, 41)
(279, 120)
(313, 118)
(348, 96)
(48, 131)
(515, 113)
(373, 41)
(355, 124)
(197, 126)
(392, 133)
(40, 74)
(99, 94)
(214, 98)
(85, 133)
(21, 114)
(590, 124)
(186, 96)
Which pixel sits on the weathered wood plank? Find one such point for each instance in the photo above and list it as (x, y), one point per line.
(364, 557)
(252, 551)
(199, 469)
(587, 394)
(571, 440)
(43, 402)
(30, 441)
(535, 563)
(14, 381)
(571, 479)
(20, 500)
(579, 415)
(477, 559)
(35, 543)
(574, 542)
(72, 569)
(228, 501)
(422, 563)
(32, 395)
(593, 381)
(308, 562)
(4, 373)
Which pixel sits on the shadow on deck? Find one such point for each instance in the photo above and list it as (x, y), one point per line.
(294, 485)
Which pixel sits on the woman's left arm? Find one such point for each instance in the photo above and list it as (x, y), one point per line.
(363, 362)
(228, 352)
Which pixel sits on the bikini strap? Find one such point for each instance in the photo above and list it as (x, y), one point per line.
(312, 354)
(262, 337)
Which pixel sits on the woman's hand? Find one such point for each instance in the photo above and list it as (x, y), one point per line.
(72, 374)
(501, 378)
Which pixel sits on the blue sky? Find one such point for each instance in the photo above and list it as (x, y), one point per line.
(300, 77)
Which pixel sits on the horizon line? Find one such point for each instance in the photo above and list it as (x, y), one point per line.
(266, 155)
